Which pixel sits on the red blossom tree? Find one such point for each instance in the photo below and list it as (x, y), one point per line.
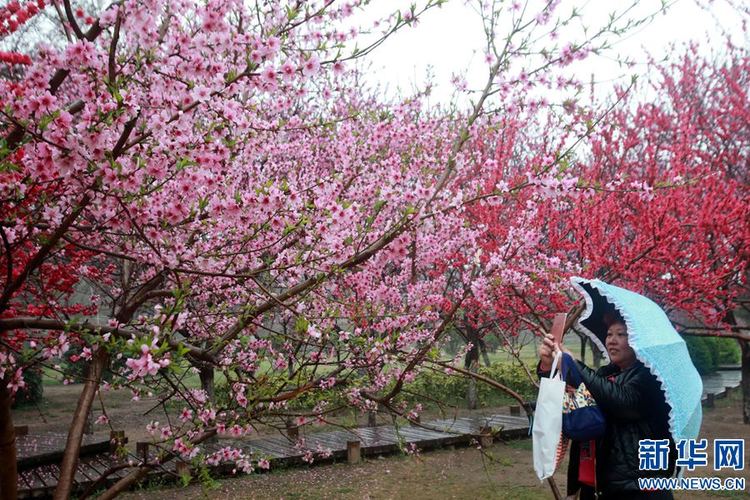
(663, 203)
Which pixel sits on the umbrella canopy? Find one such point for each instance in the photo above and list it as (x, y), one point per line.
(656, 344)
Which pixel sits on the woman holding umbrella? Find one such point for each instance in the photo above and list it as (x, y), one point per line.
(640, 396)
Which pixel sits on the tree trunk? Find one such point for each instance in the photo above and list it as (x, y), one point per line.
(485, 355)
(8, 472)
(733, 320)
(206, 374)
(75, 434)
(89, 427)
(596, 355)
(471, 363)
(745, 383)
(471, 390)
(583, 349)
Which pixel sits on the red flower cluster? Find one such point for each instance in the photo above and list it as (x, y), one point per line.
(14, 58)
(14, 15)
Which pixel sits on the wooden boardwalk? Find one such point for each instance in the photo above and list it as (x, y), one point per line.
(381, 439)
(38, 478)
(716, 385)
(35, 450)
(39, 457)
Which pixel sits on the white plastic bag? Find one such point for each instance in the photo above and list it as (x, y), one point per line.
(547, 429)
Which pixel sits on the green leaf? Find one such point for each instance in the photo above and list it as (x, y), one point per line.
(301, 324)
(47, 119)
(379, 205)
(182, 350)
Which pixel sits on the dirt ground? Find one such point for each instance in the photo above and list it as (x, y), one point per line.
(503, 471)
(55, 411)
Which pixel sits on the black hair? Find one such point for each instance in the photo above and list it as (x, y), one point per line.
(613, 317)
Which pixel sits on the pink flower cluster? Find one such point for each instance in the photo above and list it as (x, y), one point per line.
(16, 382)
(185, 449)
(226, 454)
(145, 365)
(234, 430)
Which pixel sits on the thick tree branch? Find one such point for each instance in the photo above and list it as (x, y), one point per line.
(93, 327)
(72, 20)
(112, 57)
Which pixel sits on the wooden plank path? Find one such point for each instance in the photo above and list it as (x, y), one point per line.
(42, 449)
(39, 481)
(279, 450)
(39, 457)
(716, 385)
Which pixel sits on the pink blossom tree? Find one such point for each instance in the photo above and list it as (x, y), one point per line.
(216, 173)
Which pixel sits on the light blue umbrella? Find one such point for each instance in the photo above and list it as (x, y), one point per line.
(656, 344)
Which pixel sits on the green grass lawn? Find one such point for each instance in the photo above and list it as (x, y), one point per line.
(528, 352)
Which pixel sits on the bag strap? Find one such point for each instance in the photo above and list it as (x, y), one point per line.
(568, 366)
(553, 372)
(570, 371)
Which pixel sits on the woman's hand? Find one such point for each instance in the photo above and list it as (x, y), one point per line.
(546, 352)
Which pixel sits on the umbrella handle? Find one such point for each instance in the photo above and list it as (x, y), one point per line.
(553, 486)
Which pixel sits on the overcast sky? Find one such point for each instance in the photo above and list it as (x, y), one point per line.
(449, 40)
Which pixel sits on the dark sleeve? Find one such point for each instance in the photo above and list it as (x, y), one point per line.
(629, 400)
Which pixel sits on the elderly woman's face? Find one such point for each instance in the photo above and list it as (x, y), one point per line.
(620, 352)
